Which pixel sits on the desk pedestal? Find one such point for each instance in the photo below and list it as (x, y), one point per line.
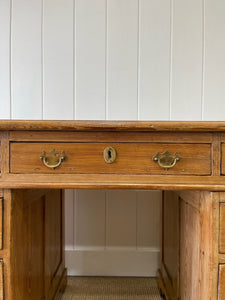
(32, 264)
(193, 246)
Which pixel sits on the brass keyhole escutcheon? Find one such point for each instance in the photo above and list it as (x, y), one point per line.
(109, 155)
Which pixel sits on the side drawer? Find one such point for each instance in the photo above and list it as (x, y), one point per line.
(1, 222)
(222, 228)
(221, 282)
(131, 158)
(223, 159)
(1, 280)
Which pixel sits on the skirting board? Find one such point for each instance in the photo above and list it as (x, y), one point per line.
(112, 262)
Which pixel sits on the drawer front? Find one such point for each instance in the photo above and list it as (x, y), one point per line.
(223, 159)
(221, 283)
(131, 158)
(222, 228)
(1, 280)
(1, 223)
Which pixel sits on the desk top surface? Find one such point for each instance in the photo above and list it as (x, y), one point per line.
(90, 125)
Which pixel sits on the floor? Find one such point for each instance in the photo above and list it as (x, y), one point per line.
(111, 288)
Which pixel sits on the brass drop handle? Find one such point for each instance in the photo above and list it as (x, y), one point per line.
(109, 155)
(53, 159)
(166, 160)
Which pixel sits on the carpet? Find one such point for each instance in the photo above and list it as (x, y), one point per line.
(111, 288)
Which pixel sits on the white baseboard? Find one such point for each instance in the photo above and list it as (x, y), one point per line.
(112, 262)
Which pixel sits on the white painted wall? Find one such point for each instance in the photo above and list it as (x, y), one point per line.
(112, 59)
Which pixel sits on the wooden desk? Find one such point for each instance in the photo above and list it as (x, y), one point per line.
(186, 159)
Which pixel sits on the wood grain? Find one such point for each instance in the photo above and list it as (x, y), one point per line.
(221, 285)
(134, 158)
(222, 227)
(112, 136)
(54, 260)
(189, 251)
(28, 244)
(199, 126)
(5, 253)
(216, 154)
(194, 220)
(101, 181)
(223, 158)
(191, 198)
(4, 153)
(37, 244)
(194, 215)
(170, 242)
(0, 151)
(206, 245)
(1, 222)
(1, 280)
(215, 243)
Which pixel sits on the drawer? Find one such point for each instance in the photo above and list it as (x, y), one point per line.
(222, 228)
(1, 223)
(221, 283)
(223, 158)
(131, 158)
(1, 280)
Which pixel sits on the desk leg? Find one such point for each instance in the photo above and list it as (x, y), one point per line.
(191, 255)
(219, 245)
(32, 256)
(168, 277)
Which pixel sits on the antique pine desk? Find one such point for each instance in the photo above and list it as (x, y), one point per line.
(40, 158)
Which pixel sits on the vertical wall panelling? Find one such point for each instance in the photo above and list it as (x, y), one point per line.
(186, 59)
(58, 59)
(90, 220)
(90, 34)
(26, 59)
(122, 58)
(214, 85)
(148, 216)
(154, 58)
(121, 219)
(5, 59)
(124, 262)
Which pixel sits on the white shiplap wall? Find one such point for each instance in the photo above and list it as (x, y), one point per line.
(112, 59)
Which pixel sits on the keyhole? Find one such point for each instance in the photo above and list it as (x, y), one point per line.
(109, 155)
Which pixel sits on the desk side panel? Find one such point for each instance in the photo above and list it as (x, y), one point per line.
(5, 258)
(169, 272)
(187, 260)
(37, 252)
